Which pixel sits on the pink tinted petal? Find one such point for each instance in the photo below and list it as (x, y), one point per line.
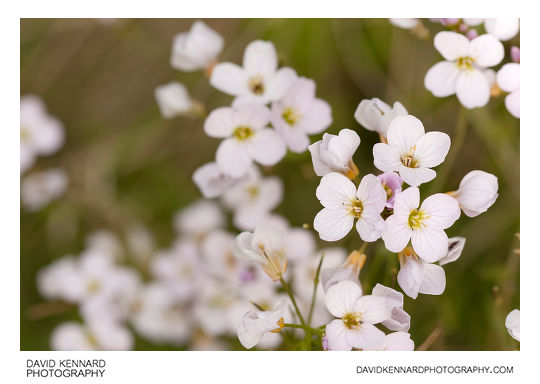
(442, 209)
(433, 281)
(341, 298)
(397, 234)
(335, 336)
(386, 157)
(404, 132)
(335, 190)
(431, 244)
(432, 149)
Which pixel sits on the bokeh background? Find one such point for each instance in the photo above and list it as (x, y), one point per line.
(127, 165)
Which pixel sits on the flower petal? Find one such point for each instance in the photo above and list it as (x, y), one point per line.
(229, 78)
(341, 298)
(280, 83)
(416, 176)
(374, 309)
(267, 147)
(513, 104)
(433, 281)
(441, 79)
(233, 158)
(410, 276)
(335, 334)
(486, 50)
(260, 58)
(386, 157)
(370, 226)
(333, 223)
(220, 123)
(502, 28)
(451, 45)
(334, 190)
(404, 132)
(472, 88)
(397, 234)
(431, 244)
(442, 209)
(406, 201)
(366, 337)
(432, 149)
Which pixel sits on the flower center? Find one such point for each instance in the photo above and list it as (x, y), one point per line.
(465, 63)
(253, 192)
(290, 116)
(356, 208)
(417, 218)
(243, 132)
(256, 85)
(93, 286)
(24, 133)
(352, 320)
(408, 159)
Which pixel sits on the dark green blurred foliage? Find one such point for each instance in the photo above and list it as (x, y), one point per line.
(127, 164)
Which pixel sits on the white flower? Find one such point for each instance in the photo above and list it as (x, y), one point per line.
(196, 49)
(40, 188)
(96, 336)
(410, 151)
(349, 270)
(512, 324)
(256, 324)
(334, 153)
(212, 182)
(299, 114)
(477, 192)
(343, 203)
(246, 138)
(173, 99)
(299, 243)
(179, 268)
(405, 23)
(416, 276)
(161, 316)
(502, 28)
(199, 218)
(376, 115)
(265, 246)
(41, 134)
(395, 341)
(424, 226)
(455, 248)
(463, 71)
(258, 81)
(508, 79)
(253, 198)
(399, 320)
(356, 315)
(56, 280)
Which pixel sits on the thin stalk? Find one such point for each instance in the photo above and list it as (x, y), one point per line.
(315, 285)
(289, 292)
(316, 331)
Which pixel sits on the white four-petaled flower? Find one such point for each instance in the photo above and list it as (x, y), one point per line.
(343, 203)
(255, 325)
(416, 276)
(410, 151)
(299, 114)
(477, 192)
(246, 138)
(423, 225)
(463, 71)
(375, 115)
(258, 80)
(356, 315)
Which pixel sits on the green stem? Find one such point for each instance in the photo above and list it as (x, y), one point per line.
(316, 331)
(315, 285)
(289, 292)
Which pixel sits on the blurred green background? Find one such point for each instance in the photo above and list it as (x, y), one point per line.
(126, 164)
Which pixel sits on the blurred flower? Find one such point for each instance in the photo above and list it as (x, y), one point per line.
(196, 49)
(212, 182)
(512, 323)
(258, 81)
(253, 198)
(256, 324)
(265, 247)
(463, 71)
(299, 242)
(405, 23)
(95, 336)
(477, 192)
(391, 183)
(179, 268)
(41, 134)
(299, 114)
(334, 153)
(40, 188)
(376, 115)
(515, 54)
(473, 22)
(455, 248)
(173, 99)
(424, 226)
(395, 341)
(356, 315)
(399, 320)
(246, 138)
(56, 280)
(199, 218)
(161, 316)
(349, 270)
(416, 276)
(343, 203)
(508, 79)
(502, 28)
(410, 151)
